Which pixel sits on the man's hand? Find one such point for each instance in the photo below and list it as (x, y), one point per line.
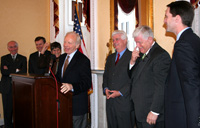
(5, 67)
(112, 93)
(135, 55)
(151, 118)
(66, 87)
(45, 47)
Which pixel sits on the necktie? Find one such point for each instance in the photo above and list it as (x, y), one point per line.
(118, 55)
(143, 56)
(66, 64)
(13, 57)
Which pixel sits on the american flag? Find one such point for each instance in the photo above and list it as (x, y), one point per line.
(82, 49)
(77, 29)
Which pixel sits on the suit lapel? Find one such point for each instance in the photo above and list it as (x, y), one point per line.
(142, 63)
(121, 60)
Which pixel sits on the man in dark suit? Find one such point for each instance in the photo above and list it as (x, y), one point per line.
(10, 63)
(150, 65)
(116, 84)
(34, 57)
(74, 73)
(182, 95)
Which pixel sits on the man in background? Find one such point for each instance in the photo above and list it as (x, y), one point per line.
(74, 73)
(116, 84)
(149, 68)
(182, 95)
(34, 57)
(10, 63)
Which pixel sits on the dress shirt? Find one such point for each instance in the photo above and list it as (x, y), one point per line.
(69, 60)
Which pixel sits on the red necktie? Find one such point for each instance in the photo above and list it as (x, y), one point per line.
(117, 58)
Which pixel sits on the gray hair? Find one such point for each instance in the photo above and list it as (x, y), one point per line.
(16, 44)
(78, 38)
(123, 34)
(146, 32)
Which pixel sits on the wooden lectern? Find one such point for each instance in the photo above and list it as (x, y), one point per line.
(34, 103)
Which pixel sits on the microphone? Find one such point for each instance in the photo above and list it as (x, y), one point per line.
(53, 58)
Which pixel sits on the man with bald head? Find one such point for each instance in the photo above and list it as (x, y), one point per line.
(74, 73)
(10, 63)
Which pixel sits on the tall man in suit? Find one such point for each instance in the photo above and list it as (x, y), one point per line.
(150, 65)
(10, 63)
(74, 73)
(116, 84)
(182, 95)
(34, 67)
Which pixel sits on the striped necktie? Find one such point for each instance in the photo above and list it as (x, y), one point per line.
(143, 56)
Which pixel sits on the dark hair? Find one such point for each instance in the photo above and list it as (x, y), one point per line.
(40, 38)
(55, 45)
(184, 9)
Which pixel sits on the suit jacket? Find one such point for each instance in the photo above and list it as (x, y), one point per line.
(182, 95)
(116, 77)
(78, 73)
(34, 63)
(19, 63)
(148, 82)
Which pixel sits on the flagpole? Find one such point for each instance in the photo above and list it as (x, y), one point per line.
(78, 16)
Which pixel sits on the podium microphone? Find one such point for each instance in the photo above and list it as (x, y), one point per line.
(53, 58)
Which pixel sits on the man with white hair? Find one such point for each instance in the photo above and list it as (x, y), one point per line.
(116, 84)
(74, 73)
(149, 68)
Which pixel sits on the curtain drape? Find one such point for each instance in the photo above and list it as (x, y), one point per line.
(127, 6)
(86, 13)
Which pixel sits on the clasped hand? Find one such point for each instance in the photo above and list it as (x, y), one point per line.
(112, 93)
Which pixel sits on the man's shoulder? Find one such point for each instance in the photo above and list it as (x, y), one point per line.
(81, 56)
(47, 52)
(34, 53)
(5, 56)
(21, 56)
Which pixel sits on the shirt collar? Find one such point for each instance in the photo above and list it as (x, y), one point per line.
(179, 34)
(14, 55)
(71, 55)
(121, 53)
(150, 48)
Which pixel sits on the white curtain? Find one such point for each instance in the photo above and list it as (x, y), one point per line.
(196, 22)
